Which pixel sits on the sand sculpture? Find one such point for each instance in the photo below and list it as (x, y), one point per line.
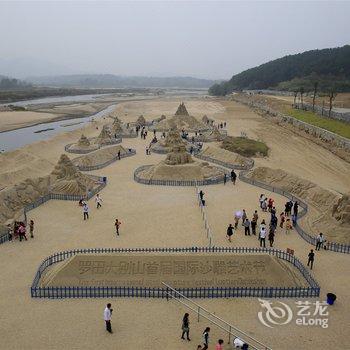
(179, 165)
(105, 137)
(331, 209)
(100, 156)
(182, 121)
(188, 271)
(141, 121)
(172, 139)
(209, 136)
(65, 178)
(83, 145)
(117, 127)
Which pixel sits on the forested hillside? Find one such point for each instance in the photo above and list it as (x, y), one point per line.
(329, 67)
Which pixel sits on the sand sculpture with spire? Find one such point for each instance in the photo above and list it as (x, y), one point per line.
(182, 120)
(83, 145)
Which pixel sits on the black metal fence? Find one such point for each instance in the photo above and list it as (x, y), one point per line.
(212, 181)
(130, 152)
(312, 290)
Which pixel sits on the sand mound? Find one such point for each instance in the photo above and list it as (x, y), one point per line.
(333, 210)
(178, 155)
(105, 136)
(210, 136)
(141, 120)
(181, 121)
(83, 141)
(341, 210)
(99, 157)
(13, 199)
(67, 179)
(189, 271)
(224, 156)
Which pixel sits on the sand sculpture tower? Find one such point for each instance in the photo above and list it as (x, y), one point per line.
(83, 141)
(178, 155)
(181, 110)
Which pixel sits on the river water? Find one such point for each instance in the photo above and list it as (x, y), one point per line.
(11, 140)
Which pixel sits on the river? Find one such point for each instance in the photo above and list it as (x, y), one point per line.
(13, 139)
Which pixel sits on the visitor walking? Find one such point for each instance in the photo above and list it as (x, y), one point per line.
(311, 258)
(85, 211)
(261, 200)
(319, 241)
(206, 338)
(98, 201)
(225, 176)
(246, 225)
(264, 205)
(236, 219)
(22, 231)
(186, 327)
(274, 221)
(244, 216)
(118, 154)
(219, 345)
(117, 225)
(271, 235)
(254, 222)
(233, 176)
(9, 232)
(296, 209)
(31, 228)
(107, 315)
(282, 219)
(262, 234)
(230, 232)
(201, 196)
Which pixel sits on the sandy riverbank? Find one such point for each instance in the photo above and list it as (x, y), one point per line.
(160, 216)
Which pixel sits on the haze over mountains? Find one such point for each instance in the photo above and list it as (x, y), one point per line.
(115, 81)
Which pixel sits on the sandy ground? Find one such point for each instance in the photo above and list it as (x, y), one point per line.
(154, 216)
(10, 120)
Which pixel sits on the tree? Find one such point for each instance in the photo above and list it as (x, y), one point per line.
(332, 94)
(314, 95)
(302, 91)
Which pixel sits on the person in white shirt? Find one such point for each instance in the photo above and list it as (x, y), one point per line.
(319, 241)
(85, 211)
(262, 234)
(98, 201)
(239, 343)
(107, 317)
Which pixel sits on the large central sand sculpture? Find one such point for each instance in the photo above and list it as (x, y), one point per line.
(179, 165)
(83, 145)
(181, 121)
(180, 271)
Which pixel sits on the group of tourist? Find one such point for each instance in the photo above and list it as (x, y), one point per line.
(19, 231)
(237, 342)
(288, 220)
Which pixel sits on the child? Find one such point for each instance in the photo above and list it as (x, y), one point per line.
(282, 219)
(288, 226)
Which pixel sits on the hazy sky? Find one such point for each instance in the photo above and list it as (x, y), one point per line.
(202, 39)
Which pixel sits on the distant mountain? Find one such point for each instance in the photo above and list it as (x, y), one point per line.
(329, 67)
(115, 81)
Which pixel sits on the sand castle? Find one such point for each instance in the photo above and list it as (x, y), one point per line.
(65, 178)
(182, 121)
(100, 156)
(105, 137)
(179, 165)
(117, 127)
(82, 146)
(172, 139)
(209, 136)
(141, 120)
